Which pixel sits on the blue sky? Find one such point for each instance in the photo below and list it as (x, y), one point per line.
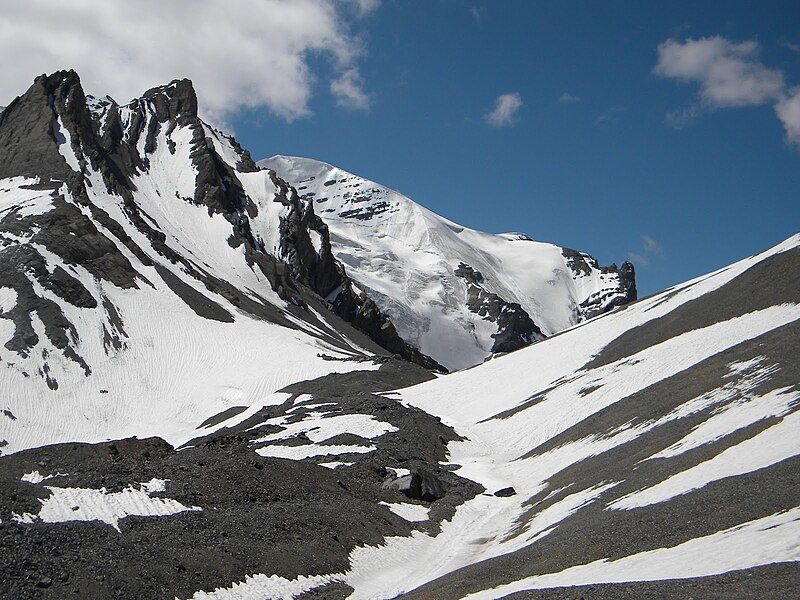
(664, 132)
(597, 172)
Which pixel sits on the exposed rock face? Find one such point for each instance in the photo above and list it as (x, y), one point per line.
(620, 290)
(319, 270)
(515, 328)
(69, 146)
(418, 485)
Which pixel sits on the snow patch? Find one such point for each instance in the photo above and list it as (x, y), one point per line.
(35, 477)
(309, 450)
(263, 587)
(86, 504)
(769, 447)
(413, 513)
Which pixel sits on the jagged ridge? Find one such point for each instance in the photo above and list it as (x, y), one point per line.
(119, 143)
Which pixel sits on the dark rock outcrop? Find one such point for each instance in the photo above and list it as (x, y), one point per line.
(515, 328)
(621, 290)
(419, 485)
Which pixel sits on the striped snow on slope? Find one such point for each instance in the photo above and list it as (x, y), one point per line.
(521, 435)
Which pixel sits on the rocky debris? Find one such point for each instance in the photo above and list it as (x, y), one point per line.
(506, 492)
(515, 328)
(260, 515)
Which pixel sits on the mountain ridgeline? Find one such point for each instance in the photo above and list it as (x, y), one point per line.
(87, 153)
(100, 165)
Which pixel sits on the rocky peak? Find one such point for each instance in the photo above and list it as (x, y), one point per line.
(29, 128)
(628, 277)
(175, 100)
(55, 133)
(515, 328)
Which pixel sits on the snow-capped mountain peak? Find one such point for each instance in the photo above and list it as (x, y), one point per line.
(192, 383)
(458, 294)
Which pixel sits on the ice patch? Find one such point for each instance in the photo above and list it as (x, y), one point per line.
(334, 464)
(318, 427)
(25, 518)
(35, 477)
(309, 450)
(398, 472)
(8, 299)
(64, 140)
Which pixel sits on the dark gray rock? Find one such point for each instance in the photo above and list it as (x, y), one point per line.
(515, 328)
(260, 515)
(606, 299)
(421, 484)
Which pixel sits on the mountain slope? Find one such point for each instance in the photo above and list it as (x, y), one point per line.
(657, 442)
(652, 450)
(654, 443)
(151, 275)
(154, 282)
(457, 294)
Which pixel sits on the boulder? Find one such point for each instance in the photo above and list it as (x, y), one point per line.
(419, 485)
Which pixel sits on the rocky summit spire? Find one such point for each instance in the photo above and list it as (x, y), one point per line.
(30, 127)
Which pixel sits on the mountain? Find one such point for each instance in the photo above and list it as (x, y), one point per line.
(197, 402)
(145, 257)
(457, 294)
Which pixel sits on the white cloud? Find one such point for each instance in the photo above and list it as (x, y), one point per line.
(505, 110)
(651, 249)
(681, 117)
(567, 98)
(788, 111)
(365, 7)
(239, 53)
(476, 13)
(609, 116)
(729, 74)
(638, 260)
(791, 47)
(348, 89)
(651, 246)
